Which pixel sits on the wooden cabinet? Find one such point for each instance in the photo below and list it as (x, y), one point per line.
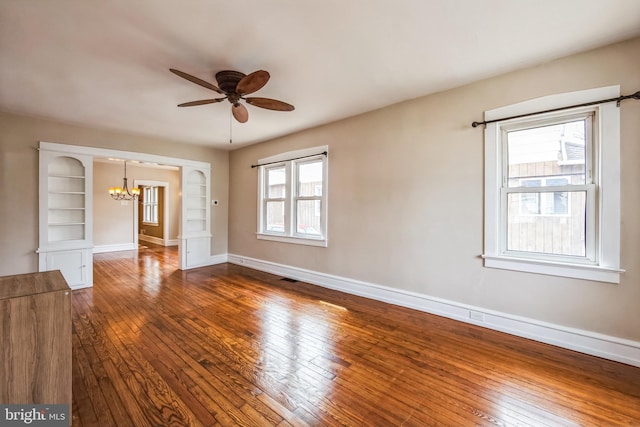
(35, 332)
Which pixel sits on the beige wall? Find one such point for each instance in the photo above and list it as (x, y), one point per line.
(113, 222)
(406, 199)
(19, 137)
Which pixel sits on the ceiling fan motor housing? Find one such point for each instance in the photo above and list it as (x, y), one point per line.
(228, 80)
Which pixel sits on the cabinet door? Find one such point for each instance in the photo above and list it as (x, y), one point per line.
(198, 250)
(72, 264)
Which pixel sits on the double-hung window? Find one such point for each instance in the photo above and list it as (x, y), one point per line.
(150, 205)
(292, 205)
(549, 206)
(552, 195)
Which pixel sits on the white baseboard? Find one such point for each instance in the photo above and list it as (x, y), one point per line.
(114, 248)
(218, 259)
(212, 260)
(593, 343)
(157, 240)
(77, 287)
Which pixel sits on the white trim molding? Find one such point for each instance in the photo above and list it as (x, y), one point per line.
(588, 342)
(289, 161)
(114, 248)
(602, 259)
(157, 240)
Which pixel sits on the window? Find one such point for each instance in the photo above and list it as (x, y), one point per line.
(545, 176)
(150, 205)
(537, 218)
(292, 197)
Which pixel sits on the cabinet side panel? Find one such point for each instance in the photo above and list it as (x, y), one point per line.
(18, 337)
(52, 382)
(35, 332)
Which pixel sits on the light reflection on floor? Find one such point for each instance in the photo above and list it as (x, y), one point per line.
(152, 279)
(295, 347)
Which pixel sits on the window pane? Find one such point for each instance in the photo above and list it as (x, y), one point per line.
(310, 179)
(276, 181)
(529, 204)
(557, 227)
(308, 217)
(548, 152)
(275, 217)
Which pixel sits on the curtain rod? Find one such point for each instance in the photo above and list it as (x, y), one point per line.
(586, 104)
(288, 160)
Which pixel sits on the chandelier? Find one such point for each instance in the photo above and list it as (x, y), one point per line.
(123, 193)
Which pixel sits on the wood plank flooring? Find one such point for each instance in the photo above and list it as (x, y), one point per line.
(230, 346)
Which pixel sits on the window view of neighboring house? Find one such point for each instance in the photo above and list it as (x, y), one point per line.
(552, 186)
(292, 200)
(306, 198)
(275, 199)
(546, 187)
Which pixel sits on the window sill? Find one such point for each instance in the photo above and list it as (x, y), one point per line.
(294, 240)
(576, 271)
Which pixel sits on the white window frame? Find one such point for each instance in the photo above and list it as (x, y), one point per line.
(147, 204)
(290, 235)
(603, 262)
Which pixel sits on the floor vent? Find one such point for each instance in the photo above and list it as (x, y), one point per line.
(287, 279)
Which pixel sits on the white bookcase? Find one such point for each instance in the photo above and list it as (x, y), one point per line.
(65, 204)
(195, 236)
(196, 201)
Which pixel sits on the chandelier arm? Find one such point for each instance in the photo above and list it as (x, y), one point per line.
(123, 193)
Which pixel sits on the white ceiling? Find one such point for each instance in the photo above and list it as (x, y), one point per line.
(105, 63)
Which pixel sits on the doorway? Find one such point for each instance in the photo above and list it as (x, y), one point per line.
(198, 253)
(152, 215)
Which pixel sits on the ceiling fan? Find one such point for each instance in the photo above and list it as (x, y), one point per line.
(235, 85)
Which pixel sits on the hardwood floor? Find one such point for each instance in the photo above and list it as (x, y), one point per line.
(230, 346)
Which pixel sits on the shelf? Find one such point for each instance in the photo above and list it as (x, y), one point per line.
(67, 197)
(65, 232)
(67, 176)
(67, 192)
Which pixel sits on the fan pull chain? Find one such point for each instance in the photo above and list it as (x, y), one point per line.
(230, 126)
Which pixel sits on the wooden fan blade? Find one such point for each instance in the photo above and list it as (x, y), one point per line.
(240, 112)
(252, 82)
(201, 102)
(196, 80)
(270, 104)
